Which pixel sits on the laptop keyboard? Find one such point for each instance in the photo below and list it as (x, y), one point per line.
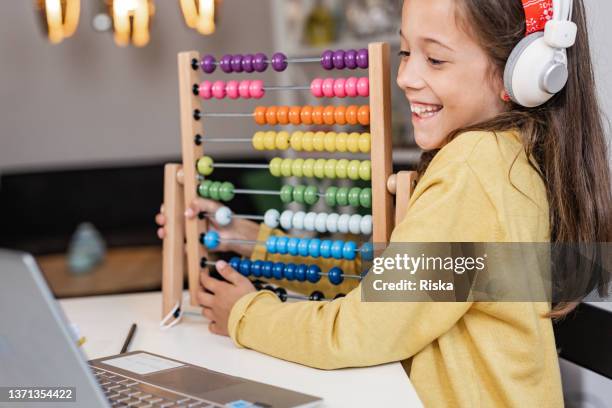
(125, 392)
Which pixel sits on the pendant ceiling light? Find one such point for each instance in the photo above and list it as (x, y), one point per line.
(131, 21)
(200, 14)
(60, 18)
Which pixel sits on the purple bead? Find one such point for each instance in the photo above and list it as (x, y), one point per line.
(338, 59)
(259, 62)
(208, 64)
(237, 63)
(279, 62)
(247, 63)
(226, 64)
(362, 58)
(327, 60)
(350, 59)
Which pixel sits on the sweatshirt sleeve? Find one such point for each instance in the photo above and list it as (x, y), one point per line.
(347, 332)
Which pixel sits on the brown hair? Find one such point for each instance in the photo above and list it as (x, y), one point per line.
(565, 137)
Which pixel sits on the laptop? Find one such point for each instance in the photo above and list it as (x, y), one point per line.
(37, 349)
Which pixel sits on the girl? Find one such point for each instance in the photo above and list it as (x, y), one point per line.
(493, 171)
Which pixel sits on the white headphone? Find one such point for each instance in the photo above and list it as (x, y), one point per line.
(537, 67)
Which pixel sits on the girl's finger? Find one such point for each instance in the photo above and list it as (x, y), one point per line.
(208, 313)
(161, 208)
(161, 233)
(209, 282)
(213, 328)
(160, 219)
(205, 299)
(228, 273)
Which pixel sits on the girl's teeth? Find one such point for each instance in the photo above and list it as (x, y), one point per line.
(425, 111)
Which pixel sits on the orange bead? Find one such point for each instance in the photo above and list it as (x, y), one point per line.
(282, 115)
(328, 115)
(294, 115)
(351, 114)
(306, 115)
(260, 115)
(340, 115)
(317, 115)
(271, 115)
(363, 115)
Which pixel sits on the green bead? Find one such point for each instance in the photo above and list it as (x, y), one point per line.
(311, 195)
(365, 170)
(308, 168)
(342, 196)
(226, 191)
(298, 194)
(286, 194)
(341, 167)
(205, 166)
(353, 196)
(203, 188)
(352, 170)
(330, 168)
(330, 196)
(213, 191)
(297, 167)
(319, 168)
(275, 166)
(365, 197)
(286, 167)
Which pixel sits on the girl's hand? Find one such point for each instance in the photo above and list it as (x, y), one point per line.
(238, 229)
(216, 306)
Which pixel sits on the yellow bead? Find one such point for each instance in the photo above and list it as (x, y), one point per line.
(365, 143)
(341, 141)
(270, 140)
(297, 168)
(341, 167)
(282, 140)
(286, 167)
(352, 142)
(205, 165)
(352, 170)
(296, 140)
(365, 170)
(258, 140)
(319, 168)
(330, 142)
(330, 168)
(308, 168)
(318, 141)
(275, 165)
(307, 141)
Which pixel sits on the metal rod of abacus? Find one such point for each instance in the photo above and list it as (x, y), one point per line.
(258, 192)
(348, 276)
(225, 115)
(227, 140)
(240, 165)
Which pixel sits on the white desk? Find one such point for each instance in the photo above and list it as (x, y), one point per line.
(105, 321)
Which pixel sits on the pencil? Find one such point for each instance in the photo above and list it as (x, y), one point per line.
(128, 339)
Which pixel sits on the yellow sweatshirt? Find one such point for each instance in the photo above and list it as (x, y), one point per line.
(462, 354)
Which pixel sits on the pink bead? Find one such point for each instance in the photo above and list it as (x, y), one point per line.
(243, 89)
(363, 86)
(218, 89)
(350, 87)
(328, 87)
(339, 91)
(204, 90)
(257, 89)
(315, 87)
(232, 89)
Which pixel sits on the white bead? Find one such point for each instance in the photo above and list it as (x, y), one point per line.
(332, 222)
(309, 221)
(223, 216)
(354, 224)
(320, 222)
(298, 220)
(366, 225)
(343, 223)
(271, 218)
(285, 219)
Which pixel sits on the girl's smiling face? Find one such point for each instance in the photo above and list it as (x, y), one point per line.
(445, 75)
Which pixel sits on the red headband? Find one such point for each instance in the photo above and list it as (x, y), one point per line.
(537, 13)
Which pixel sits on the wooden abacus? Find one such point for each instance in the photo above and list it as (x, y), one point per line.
(183, 184)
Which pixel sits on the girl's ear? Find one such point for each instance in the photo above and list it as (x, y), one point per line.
(504, 96)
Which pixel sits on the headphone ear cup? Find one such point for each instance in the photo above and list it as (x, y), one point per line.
(526, 69)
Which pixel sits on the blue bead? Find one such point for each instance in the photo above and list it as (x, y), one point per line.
(335, 275)
(291, 271)
(235, 262)
(313, 274)
(211, 239)
(325, 248)
(336, 249)
(301, 272)
(266, 269)
(292, 246)
(245, 267)
(314, 248)
(367, 251)
(271, 244)
(277, 270)
(281, 245)
(349, 250)
(303, 246)
(256, 268)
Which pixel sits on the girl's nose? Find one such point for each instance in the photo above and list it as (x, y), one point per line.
(408, 75)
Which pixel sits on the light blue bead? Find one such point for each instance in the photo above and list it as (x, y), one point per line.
(314, 273)
(271, 244)
(335, 275)
(292, 246)
(367, 251)
(281, 245)
(314, 248)
(303, 246)
(336, 249)
(349, 250)
(245, 267)
(301, 272)
(211, 239)
(277, 270)
(325, 248)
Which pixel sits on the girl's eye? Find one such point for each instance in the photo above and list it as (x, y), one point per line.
(403, 54)
(434, 61)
